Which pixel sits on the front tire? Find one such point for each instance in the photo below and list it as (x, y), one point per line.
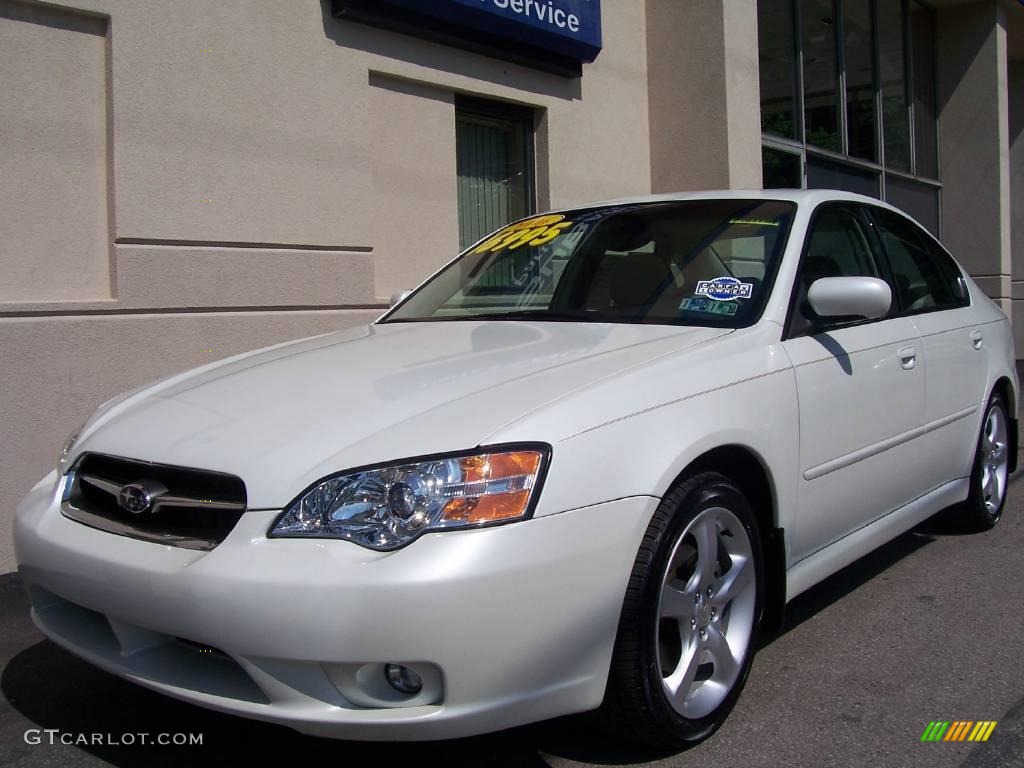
(689, 620)
(990, 474)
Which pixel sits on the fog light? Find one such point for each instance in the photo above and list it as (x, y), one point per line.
(403, 679)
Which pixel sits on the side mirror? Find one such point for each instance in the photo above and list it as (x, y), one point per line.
(399, 297)
(866, 297)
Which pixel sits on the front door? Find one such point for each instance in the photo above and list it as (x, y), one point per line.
(861, 390)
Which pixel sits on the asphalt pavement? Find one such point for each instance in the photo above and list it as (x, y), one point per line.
(929, 627)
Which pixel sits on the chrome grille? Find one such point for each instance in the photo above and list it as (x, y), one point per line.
(180, 506)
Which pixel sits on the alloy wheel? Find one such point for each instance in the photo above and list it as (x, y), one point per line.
(705, 612)
(995, 459)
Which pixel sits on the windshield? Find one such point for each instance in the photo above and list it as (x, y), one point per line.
(700, 262)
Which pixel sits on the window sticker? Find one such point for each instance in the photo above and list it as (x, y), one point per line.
(709, 306)
(724, 289)
(539, 230)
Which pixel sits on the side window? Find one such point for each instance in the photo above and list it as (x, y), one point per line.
(926, 278)
(838, 245)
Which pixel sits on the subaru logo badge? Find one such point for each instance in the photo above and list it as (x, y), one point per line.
(135, 498)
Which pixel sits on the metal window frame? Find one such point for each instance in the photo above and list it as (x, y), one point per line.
(876, 86)
(934, 76)
(798, 103)
(876, 44)
(908, 83)
(839, 40)
(839, 73)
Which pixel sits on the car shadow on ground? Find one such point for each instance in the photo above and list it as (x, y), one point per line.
(53, 689)
(948, 522)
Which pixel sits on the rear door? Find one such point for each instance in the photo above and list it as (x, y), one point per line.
(861, 391)
(934, 296)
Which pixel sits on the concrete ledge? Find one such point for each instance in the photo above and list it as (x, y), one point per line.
(176, 276)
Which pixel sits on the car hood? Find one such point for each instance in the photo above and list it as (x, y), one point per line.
(283, 417)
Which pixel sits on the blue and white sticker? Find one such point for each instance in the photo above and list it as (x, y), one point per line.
(724, 289)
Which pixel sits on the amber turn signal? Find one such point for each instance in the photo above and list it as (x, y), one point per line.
(495, 487)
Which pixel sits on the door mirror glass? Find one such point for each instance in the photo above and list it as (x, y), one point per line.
(397, 298)
(866, 297)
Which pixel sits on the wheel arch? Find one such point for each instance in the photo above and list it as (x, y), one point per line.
(747, 469)
(1004, 387)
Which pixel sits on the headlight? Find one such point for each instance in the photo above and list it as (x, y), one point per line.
(387, 507)
(64, 463)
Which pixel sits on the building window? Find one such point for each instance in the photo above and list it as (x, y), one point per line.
(892, 45)
(926, 140)
(919, 199)
(777, 57)
(828, 174)
(859, 58)
(821, 107)
(494, 166)
(781, 169)
(848, 99)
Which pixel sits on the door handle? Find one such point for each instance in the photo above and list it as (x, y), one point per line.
(977, 339)
(908, 357)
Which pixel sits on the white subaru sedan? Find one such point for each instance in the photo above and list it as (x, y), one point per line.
(579, 468)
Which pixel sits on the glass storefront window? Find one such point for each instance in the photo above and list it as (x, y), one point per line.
(919, 200)
(896, 115)
(825, 174)
(869, 108)
(859, 52)
(926, 142)
(781, 169)
(821, 107)
(777, 54)
(494, 167)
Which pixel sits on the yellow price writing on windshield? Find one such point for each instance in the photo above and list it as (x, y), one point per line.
(539, 230)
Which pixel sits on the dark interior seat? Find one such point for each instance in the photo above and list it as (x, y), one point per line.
(637, 280)
(817, 266)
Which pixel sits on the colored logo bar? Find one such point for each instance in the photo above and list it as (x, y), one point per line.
(958, 730)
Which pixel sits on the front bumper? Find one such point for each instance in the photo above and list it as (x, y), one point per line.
(508, 625)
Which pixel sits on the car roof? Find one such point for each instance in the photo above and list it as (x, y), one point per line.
(810, 197)
(805, 198)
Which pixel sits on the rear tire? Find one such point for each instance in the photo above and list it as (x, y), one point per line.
(689, 621)
(991, 470)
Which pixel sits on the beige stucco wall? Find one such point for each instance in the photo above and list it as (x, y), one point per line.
(705, 127)
(974, 142)
(412, 173)
(1015, 75)
(187, 180)
(54, 159)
